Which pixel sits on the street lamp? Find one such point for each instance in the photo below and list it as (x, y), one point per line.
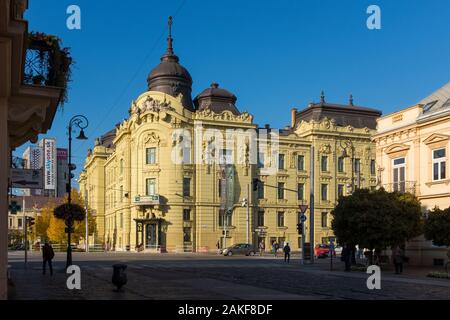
(81, 122)
(348, 144)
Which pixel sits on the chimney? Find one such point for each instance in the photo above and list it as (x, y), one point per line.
(293, 114)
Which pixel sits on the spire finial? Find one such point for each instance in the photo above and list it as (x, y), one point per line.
(322, 97)
(169, 38)
(350, 101)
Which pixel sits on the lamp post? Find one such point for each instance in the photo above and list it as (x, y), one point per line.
(345, 144)
(81, 122)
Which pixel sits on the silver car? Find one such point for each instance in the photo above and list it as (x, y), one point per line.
(240, 248)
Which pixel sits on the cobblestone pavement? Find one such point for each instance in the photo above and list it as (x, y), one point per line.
(196, 276)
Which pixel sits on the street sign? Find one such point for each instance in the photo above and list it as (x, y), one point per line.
(303, 218)
(303, 208)
(14, 207)
(27, 178)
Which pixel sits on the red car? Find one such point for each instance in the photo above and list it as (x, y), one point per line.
(322, 251)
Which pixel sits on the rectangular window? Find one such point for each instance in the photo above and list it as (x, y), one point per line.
(281, 161)
(186, 187)
(121, 220)
(19, 223)
(10, 223)
(324, 219)
(261, 160)
(439, 164)
(399, 183)
(186, 214)
(300, 163)
(300, 191)
(280, 219)
(150, 186)
(340, 165)
(225, 218)
(280, 190)
(121, 193)
(150, 156)
(260, 218)
(357, 165)
(324, 191)
(219, 188)
(187, 234)
(261, 190)
(340, 190)
(226, 156)
(372, 167)
(324, 163)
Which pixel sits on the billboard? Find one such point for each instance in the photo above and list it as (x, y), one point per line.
(61, 154)
(49, 164)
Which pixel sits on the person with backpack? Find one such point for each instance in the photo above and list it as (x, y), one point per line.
(47, 255)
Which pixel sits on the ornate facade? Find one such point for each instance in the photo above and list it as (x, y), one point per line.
(143, 198)
(412, 154)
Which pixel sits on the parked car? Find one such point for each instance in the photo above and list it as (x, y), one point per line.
(338, 250)
(240, 248)
(322, 251)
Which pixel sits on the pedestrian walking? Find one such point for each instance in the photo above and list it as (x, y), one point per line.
(287, 253)
(275, 248)
(47, 255)
(218, 247)
(346, 257)
(398, 259)
(262, 247)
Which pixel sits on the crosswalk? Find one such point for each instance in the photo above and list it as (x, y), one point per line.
(185, 265)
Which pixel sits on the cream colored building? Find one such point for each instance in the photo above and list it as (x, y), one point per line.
(413, 156)
(140, 194)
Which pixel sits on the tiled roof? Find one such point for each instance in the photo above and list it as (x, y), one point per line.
(436, 102)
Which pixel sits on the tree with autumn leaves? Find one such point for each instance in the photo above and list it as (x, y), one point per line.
(49, 227)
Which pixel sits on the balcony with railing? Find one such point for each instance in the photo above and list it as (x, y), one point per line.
(46, 63)
(402, 187)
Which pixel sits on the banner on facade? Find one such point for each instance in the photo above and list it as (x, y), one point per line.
(49, 154)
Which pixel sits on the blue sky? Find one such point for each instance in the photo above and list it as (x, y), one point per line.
(273, 55)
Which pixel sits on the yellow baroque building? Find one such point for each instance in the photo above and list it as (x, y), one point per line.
(143, 198)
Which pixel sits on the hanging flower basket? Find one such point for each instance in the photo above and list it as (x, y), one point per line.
(74, 211)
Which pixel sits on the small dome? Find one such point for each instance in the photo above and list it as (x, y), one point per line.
(170, 77)
(216, 99)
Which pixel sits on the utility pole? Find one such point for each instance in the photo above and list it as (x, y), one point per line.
(248, 213)
(86, 220)
(25, 229)
(311, 206)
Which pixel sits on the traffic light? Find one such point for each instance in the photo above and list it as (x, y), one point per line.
(30, 221)
(255, 184)
(300, 228)
(72, 167)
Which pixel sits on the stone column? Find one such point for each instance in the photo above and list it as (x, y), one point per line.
(4, 174)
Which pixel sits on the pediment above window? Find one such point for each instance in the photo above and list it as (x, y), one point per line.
(435, 138)
(396, 148)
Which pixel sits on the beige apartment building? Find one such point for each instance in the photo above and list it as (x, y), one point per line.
(143, 197)
(413, 156)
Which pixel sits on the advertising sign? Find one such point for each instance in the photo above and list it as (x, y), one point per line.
(49, 149)
(26, 178)
(61, 154)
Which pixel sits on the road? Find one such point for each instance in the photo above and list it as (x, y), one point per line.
(207, 276)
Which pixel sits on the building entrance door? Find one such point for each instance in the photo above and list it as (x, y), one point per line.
(151, 236)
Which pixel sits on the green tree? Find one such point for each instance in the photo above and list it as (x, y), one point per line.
(437, 227)
(376, 219)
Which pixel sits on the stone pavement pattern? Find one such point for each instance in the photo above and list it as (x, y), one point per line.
(204, 277)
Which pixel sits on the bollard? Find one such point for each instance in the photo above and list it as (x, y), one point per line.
(119, 278)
